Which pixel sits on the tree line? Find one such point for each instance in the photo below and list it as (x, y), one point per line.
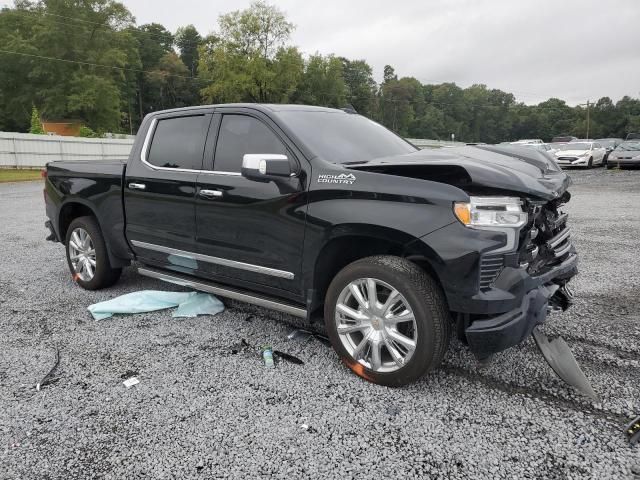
(87, 60)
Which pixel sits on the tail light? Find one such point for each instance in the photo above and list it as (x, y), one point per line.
(43, 173)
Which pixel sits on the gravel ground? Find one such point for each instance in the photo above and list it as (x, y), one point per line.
(202, 411)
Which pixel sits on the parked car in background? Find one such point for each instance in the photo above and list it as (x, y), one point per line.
(527, 141)
(610, 145)
(541, 147)
(580, 154)
(633, 136)
(563, 139)
(627, 154)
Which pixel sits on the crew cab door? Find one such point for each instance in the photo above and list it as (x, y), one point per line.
(250, 233)
(160, 187)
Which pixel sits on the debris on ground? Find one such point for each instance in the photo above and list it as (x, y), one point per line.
(190, 304)
(130, 382)
(633, 431)
(559, 357)
(308, 428)
(302, 334)
(48, 378)
(267, 356)
(288, 357)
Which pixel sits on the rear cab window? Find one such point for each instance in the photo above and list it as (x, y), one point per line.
(179, 142)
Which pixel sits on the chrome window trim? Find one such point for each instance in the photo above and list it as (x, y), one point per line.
(145, 151)
(215, 260)
(228, 174)
(147, 145)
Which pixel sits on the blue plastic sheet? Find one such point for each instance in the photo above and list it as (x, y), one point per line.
(190, 304)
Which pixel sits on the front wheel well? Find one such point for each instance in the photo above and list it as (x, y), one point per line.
(342, 251)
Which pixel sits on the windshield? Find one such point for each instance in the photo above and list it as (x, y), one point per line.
(344, 138)
(574, 146)
(629, 146)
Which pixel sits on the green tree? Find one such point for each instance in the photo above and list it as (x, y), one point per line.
(360, 86)
(188, 41)
(248, 59)
(399, 100)
(90, 32)
(322, 82)
(170, 82)
(36, 124)
(154, 41)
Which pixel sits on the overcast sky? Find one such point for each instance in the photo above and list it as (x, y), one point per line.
(571, 49)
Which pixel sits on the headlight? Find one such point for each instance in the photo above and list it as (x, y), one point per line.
(491, 212)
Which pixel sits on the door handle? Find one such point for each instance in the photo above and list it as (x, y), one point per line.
(137, 186)
(210, 193)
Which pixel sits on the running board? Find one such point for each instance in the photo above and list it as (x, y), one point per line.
(209, 287)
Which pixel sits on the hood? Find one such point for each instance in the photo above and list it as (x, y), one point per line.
(571, 153)
(521, 170)
(624, 153)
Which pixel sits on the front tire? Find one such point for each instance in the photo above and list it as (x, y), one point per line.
(87, 255)
(387, 319)
(590, 164)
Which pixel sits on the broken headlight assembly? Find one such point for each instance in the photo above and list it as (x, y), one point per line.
(502, 214)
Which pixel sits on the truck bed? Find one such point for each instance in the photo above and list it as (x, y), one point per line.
(92, 185)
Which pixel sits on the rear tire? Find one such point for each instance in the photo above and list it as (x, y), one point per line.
(396, 351)
(87, 255)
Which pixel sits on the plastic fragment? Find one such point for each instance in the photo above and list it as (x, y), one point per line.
(130, 382)
(288, 357)
(633, 431)
(302, 334)
(190, 304)
(267, 356)
(49, 376)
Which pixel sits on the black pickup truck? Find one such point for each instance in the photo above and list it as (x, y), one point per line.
(323, 213)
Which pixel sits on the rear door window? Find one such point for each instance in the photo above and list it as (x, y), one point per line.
(179, 142)
(239, 135)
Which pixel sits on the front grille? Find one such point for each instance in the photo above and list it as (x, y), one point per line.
(549, 241)
(490, 268)
(567, 159)
(561, 243)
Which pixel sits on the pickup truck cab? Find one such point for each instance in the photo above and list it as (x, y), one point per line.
(325, 214)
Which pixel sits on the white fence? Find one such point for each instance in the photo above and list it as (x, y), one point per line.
(24, 150)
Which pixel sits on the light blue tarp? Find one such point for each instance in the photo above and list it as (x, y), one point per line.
(189, 304)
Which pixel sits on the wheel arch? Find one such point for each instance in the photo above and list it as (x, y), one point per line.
(76, 208)
(348, 243)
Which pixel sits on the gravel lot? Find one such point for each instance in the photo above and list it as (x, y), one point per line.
(202, 411)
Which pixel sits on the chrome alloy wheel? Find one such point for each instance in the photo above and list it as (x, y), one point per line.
(376, 325)
(82, 254)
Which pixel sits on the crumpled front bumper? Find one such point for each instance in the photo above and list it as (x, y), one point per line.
(497, 333)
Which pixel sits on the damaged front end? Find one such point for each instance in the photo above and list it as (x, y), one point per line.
(537, 273)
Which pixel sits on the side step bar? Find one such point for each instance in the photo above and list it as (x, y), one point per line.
(209, 287)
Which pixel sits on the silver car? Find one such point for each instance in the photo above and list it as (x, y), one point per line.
(580, 154)
(627, 154)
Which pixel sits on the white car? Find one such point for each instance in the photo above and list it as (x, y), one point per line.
(527, 141)
(580, 154)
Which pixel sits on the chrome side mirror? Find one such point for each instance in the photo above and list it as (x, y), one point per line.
(261, 166)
